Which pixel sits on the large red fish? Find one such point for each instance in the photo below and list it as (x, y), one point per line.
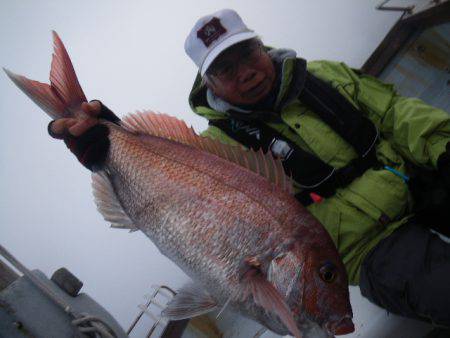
(224, 215)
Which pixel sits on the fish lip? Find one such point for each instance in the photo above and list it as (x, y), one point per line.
(341, 327)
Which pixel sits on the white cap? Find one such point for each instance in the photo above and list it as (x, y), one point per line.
(214, 33)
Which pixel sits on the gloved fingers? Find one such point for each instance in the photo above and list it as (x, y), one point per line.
(82, 126)
(86, 138)
(58, 128)
(92, 108)
(97, 109)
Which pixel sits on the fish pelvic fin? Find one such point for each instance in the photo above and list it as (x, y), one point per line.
(64, 94)
(108, 204)
(190, 301)
(169, 127)
(265, 295)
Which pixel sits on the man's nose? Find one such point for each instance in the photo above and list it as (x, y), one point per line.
(245, 73)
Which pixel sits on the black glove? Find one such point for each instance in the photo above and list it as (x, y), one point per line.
(90, 148)
(443, 165)
(106, 113)
(431, 193)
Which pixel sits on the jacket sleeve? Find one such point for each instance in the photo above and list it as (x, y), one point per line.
(418, 131)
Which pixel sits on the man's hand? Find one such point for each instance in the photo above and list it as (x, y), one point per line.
(86, 138)
(444, 165)
(75, 127)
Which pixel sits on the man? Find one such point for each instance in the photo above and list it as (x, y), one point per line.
(347, 140)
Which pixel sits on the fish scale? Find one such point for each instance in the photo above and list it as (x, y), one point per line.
(166, 174)
(213, 166)
(178, 237)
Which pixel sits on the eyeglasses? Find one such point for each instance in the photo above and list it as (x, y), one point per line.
(226, 66)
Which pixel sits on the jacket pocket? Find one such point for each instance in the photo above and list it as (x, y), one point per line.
(380, 194)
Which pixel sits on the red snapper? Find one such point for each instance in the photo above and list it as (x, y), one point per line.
(224, 215)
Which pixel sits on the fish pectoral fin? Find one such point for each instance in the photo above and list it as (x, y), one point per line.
(108, 204)
(190, 301)
(265, 295)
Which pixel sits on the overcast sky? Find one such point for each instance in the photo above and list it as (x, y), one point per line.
(129, 54)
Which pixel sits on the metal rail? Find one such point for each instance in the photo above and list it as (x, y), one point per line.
(144, 309)
(405, 9)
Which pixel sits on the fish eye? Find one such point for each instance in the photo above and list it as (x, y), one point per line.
(328, 272)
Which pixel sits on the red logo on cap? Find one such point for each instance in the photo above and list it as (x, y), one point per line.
(211, 31)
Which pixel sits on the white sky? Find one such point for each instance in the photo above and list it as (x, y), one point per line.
(129, 54)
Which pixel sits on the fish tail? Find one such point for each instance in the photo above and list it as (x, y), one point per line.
(63, 96)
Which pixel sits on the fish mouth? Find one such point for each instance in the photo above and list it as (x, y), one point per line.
(344, 326)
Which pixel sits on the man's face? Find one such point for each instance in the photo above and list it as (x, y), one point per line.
(243, 74)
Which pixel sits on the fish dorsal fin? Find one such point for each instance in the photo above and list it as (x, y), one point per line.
(169, 127)
(108, 204)
(190, 301)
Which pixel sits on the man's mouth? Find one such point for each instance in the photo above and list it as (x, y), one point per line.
(256, 90)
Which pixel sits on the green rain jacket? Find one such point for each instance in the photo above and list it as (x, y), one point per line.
(378, 202)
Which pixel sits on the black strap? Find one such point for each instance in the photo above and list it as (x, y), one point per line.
(335, 110)
(311, 173)
(256, 135)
